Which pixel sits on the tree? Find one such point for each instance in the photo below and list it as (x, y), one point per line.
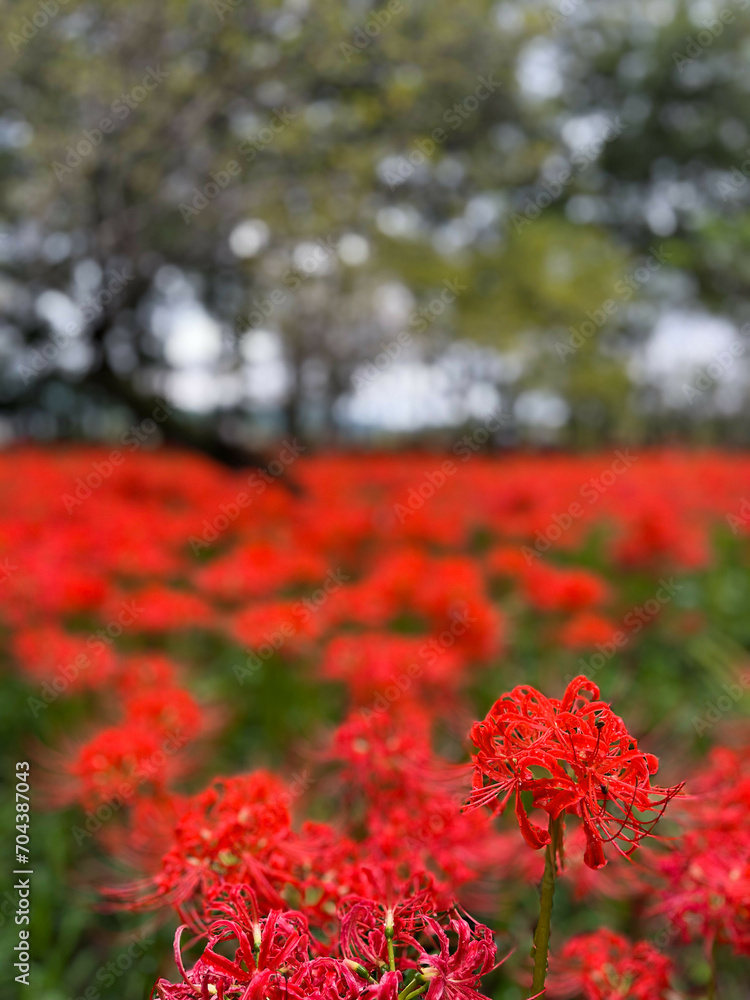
(283, 167)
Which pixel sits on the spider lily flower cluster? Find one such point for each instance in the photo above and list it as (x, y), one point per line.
(396, 953)
(606, 966)
(705, 879)
(427, 620)
(573, 755)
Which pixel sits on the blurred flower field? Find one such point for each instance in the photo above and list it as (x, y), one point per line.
(251, 704)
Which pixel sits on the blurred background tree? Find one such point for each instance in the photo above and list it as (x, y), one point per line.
(352, 221)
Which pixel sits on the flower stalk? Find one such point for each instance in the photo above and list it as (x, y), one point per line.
(389, 940)
(712, 990)
(540, 949)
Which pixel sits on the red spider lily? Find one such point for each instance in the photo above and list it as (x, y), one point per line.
(140, 672)
(585, 630)
(396, 882)
(285, 625)
(169, 709)
(388, 760)
(507, 560)
(652, 535)
(456, 976)
(372, 663)
(201, 981)
(271, 959)
(235, 827)
(398, 914)
(593, 767)
(140, 756)
(363, 937)
(606, 966)
(404, 850)
(446, 594)
(119, 764)
(159, 608)
(279, 942)
(271, 963)
(140, 841)
(333, 979)
(706, 876)
(720, 792)
(238, 831)
(408, 801)
(550, 588)
(252, 974)
(48, 653)
(257, 569)
(706, 895)
(620, 879)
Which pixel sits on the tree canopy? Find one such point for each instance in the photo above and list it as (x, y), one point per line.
(517, 192)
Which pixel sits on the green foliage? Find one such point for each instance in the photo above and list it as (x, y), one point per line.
(322, 120)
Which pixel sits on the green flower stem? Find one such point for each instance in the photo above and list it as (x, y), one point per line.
(405, 995)
(541, 935)
(712, 985)
(389, 942)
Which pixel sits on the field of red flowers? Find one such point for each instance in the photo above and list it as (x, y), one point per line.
(365, 726)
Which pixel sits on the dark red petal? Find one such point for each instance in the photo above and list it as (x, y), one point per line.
(534, 835)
